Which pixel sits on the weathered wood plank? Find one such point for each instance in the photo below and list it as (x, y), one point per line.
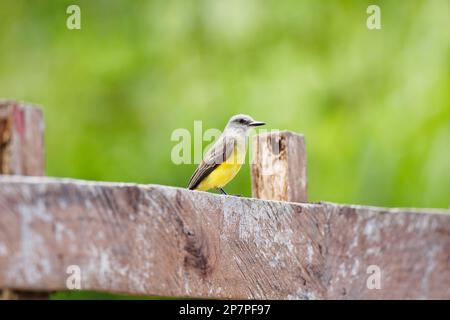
(21, 153)
(411, 249)
(156, 240)
(279, 167)
(21, 139)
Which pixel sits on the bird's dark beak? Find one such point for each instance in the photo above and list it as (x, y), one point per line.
(257, 124)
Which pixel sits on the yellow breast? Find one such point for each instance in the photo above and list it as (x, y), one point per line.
(224, 172)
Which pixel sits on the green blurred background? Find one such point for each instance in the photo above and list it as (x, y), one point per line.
(374, 105)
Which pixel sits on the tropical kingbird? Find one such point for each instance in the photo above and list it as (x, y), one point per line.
(223, 161)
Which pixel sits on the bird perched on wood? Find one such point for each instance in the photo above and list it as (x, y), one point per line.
(223, 161)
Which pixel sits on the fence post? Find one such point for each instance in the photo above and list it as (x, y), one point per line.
(21, 139)
(21, 153)
(278, 167)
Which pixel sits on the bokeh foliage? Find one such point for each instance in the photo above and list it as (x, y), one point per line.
(374, 105)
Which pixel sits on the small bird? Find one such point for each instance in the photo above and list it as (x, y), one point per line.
(223, 161)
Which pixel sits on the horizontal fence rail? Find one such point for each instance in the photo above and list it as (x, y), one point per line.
(156, 240)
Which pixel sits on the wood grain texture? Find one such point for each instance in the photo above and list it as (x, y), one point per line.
(21, 153)
(21, 139)
(156, 240)
(279, 167)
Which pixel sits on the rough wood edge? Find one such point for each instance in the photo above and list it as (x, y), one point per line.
(156, 240)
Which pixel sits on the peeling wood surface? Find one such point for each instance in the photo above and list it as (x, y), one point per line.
(21, 139)
(156, 240)
(279, 167)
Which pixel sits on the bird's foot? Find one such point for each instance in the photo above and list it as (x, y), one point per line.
(224, 193)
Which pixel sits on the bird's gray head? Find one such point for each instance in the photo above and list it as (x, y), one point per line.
(242, 122)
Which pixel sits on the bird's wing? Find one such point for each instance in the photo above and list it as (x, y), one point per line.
(215, 156)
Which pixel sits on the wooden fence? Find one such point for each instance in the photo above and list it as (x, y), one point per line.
(159, 240)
